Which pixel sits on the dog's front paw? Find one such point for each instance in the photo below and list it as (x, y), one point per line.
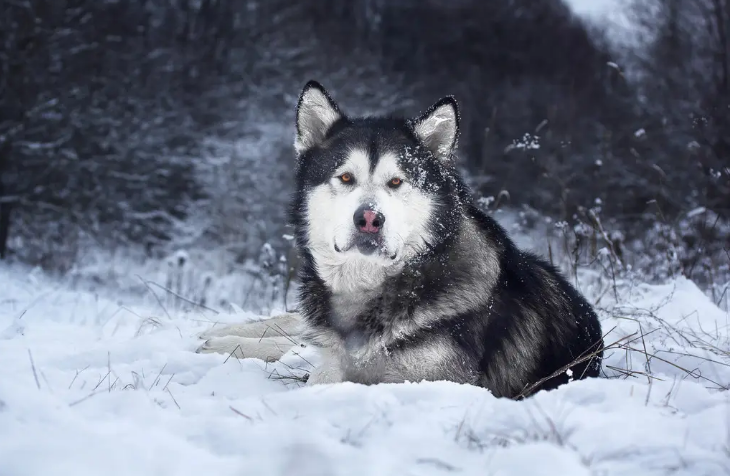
(325, 375)
(268, 349)
(287, 324)
(219, 345)
(246, 329)
(220, 331)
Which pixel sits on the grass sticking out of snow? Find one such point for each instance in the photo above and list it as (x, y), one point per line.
(93, 383)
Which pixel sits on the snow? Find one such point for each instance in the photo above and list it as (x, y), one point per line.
(614, 17)
(595, 8)
(95, 384)
(527, 142)
(696, 211)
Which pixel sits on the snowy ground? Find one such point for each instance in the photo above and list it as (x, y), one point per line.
(93, 386)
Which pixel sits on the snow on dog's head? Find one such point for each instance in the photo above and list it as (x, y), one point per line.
(371, 192)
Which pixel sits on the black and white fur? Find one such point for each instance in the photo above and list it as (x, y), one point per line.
(430, 288)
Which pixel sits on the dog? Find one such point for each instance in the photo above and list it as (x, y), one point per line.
(403, 278)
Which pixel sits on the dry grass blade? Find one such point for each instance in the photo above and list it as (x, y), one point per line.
(35, 373)
(275, 375)
(233, 352)
(642, 336)
(78, 372)
(159, 374)
(202, 306)
(157, 298)
(240, 414)
(692, 373)
(283, 333)
(633, 373)
(530, 388)
(173, 398)
(74, 403)
(106, 375)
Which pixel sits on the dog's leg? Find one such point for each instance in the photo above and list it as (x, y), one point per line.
(288, 324)
(280, 335)
(268, 349)
(329, 371)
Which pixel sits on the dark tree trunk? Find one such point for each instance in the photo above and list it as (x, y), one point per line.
(4, 228)
(5, 204)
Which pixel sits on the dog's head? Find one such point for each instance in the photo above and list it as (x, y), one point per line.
(372, 192)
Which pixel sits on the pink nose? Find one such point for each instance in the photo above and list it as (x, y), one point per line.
(371, 221)
(368, 221)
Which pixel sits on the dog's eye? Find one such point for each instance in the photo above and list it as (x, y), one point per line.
(346, 178)
(395, 182)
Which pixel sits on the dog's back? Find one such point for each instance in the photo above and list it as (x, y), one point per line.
(539, 331)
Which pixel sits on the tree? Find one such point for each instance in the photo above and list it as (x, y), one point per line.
(684, 82)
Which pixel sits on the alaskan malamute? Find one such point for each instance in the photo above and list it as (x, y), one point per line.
(403, 278)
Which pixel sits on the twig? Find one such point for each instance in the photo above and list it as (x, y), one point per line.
(528, 389)
(691, 373)
(173, 398)
(83, 399)
(609, 243)
(101, 381)
(35, 374)
(240, 414)
(155, 295)
(233, 352)
(632, 373)
(78, 372)
(189, 301)
(109, 368)
(168, 382)
(157, 379)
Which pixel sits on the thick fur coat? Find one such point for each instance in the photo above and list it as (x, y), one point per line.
(403, 278)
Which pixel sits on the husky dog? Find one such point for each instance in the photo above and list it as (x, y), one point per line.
(403, 278)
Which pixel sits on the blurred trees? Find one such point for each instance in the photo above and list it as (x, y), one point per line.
(97, 128)
(140, 122)
(682, 78)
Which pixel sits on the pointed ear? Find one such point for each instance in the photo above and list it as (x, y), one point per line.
(438, 128)
(316, 113)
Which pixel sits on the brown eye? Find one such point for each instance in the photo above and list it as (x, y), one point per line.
(395, 182)
(346, 177)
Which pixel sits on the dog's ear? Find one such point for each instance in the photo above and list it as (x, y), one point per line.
(316, 113)
(438, 128)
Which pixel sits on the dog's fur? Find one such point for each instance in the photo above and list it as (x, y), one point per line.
(431, 288)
